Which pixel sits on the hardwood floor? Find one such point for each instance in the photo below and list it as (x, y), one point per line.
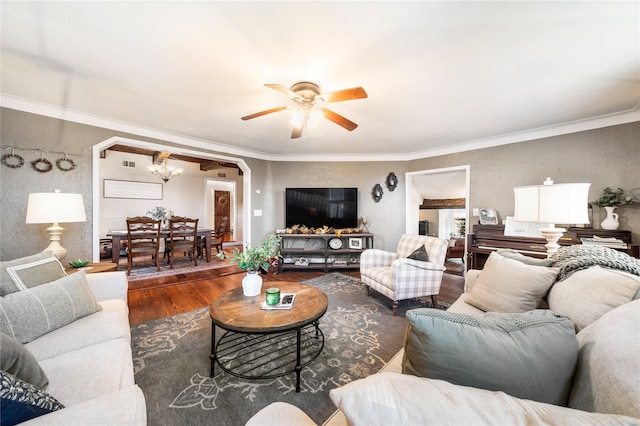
(172, 295)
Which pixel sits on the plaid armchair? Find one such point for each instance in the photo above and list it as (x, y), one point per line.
(398, 277)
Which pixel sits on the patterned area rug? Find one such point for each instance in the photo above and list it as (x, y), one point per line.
(171, 360)
(144, 270)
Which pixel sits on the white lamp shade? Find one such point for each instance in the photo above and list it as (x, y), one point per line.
(55, 207)
(559, 203)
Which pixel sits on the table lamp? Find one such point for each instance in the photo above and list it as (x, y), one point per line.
(55, 207)
(565, 203)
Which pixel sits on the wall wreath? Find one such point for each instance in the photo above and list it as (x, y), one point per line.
(13, 161)
(41, 165)
(65, 164)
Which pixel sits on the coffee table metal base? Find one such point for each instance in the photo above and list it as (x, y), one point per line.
(266, 356)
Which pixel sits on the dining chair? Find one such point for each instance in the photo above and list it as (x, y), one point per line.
(217, 238)
(183, 238)
(143, 240)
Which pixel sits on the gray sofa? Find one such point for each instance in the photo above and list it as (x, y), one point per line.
(88, 361)
(604, 389)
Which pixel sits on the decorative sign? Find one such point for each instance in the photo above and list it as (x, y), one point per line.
(131, 189)
(523, 229)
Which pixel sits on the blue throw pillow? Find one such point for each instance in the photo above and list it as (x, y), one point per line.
(21, 401)
(530, 355)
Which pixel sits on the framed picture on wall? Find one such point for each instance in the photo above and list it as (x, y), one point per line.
(355, 243)
(130, 189)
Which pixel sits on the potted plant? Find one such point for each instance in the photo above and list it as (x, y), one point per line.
(158, 213)
(610, 199)
(254, 259)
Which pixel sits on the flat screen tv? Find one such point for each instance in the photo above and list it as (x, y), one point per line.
(317, 207)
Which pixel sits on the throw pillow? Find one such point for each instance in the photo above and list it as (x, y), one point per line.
(6, 283)
(21, 401)
(507, 285)
(527, 260)
(29, 314)
(419, 254)
(588, 294)
(15, 359)
(607, 378)
(529, 355)
(36, 273)
(399, 399)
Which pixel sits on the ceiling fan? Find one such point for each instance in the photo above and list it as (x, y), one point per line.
(309, 105)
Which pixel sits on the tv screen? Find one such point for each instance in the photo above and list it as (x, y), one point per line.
(317, 207)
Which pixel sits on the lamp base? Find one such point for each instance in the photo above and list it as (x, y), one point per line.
(54, 242)
(552, 236)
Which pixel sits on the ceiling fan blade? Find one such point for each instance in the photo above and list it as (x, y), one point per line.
(282, 89)
(338, 119)
(296, 133)
(345, 95)
(261, 113)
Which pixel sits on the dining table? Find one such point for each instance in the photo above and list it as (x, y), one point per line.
(121, 234)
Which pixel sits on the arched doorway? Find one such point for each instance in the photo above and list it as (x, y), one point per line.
(243, 224)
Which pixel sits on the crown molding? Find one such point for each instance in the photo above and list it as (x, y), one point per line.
(592, 123)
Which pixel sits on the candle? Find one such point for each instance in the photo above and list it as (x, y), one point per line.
(273, 296)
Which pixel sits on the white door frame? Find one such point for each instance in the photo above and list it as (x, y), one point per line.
(414, 200)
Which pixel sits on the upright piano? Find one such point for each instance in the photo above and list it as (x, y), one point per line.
(488, 238)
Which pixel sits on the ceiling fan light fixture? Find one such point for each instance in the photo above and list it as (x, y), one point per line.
(298, 118)
(314, 118)
(309, 106)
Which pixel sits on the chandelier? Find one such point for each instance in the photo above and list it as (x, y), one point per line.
(164, 170)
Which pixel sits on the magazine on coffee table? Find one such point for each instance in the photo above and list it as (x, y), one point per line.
(286, 302)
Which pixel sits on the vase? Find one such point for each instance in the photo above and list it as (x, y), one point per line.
(611, 221)
(252, 284)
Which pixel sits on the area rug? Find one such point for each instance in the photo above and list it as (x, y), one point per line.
(144, 270)
(171, 360)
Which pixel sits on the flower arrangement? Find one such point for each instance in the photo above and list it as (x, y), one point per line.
(262, 256)
(615, 197)
(158, 213)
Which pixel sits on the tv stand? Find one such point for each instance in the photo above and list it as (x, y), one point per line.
(313, 251)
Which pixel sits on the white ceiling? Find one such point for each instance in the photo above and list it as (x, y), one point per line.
(441, 76)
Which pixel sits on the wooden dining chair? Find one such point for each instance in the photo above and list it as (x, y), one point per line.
(183, 239)
(217, 238)
(143, 240)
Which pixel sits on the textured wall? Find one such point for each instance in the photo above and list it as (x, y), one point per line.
(604, 157)
(385, 219)
(30, 130)
(608, 156)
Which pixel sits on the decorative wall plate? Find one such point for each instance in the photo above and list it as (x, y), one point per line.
(335, 243)
(488, 217)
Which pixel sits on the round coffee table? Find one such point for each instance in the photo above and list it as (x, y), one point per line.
(263, 344)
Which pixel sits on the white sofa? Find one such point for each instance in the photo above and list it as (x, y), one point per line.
(89, 362)
(605, 388)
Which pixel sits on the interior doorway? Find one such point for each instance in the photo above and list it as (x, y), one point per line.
(439, 185)
(221, 202)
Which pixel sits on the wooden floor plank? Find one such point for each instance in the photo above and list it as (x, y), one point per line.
(168, 296)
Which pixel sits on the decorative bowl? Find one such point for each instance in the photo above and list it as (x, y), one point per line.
(79, 263)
